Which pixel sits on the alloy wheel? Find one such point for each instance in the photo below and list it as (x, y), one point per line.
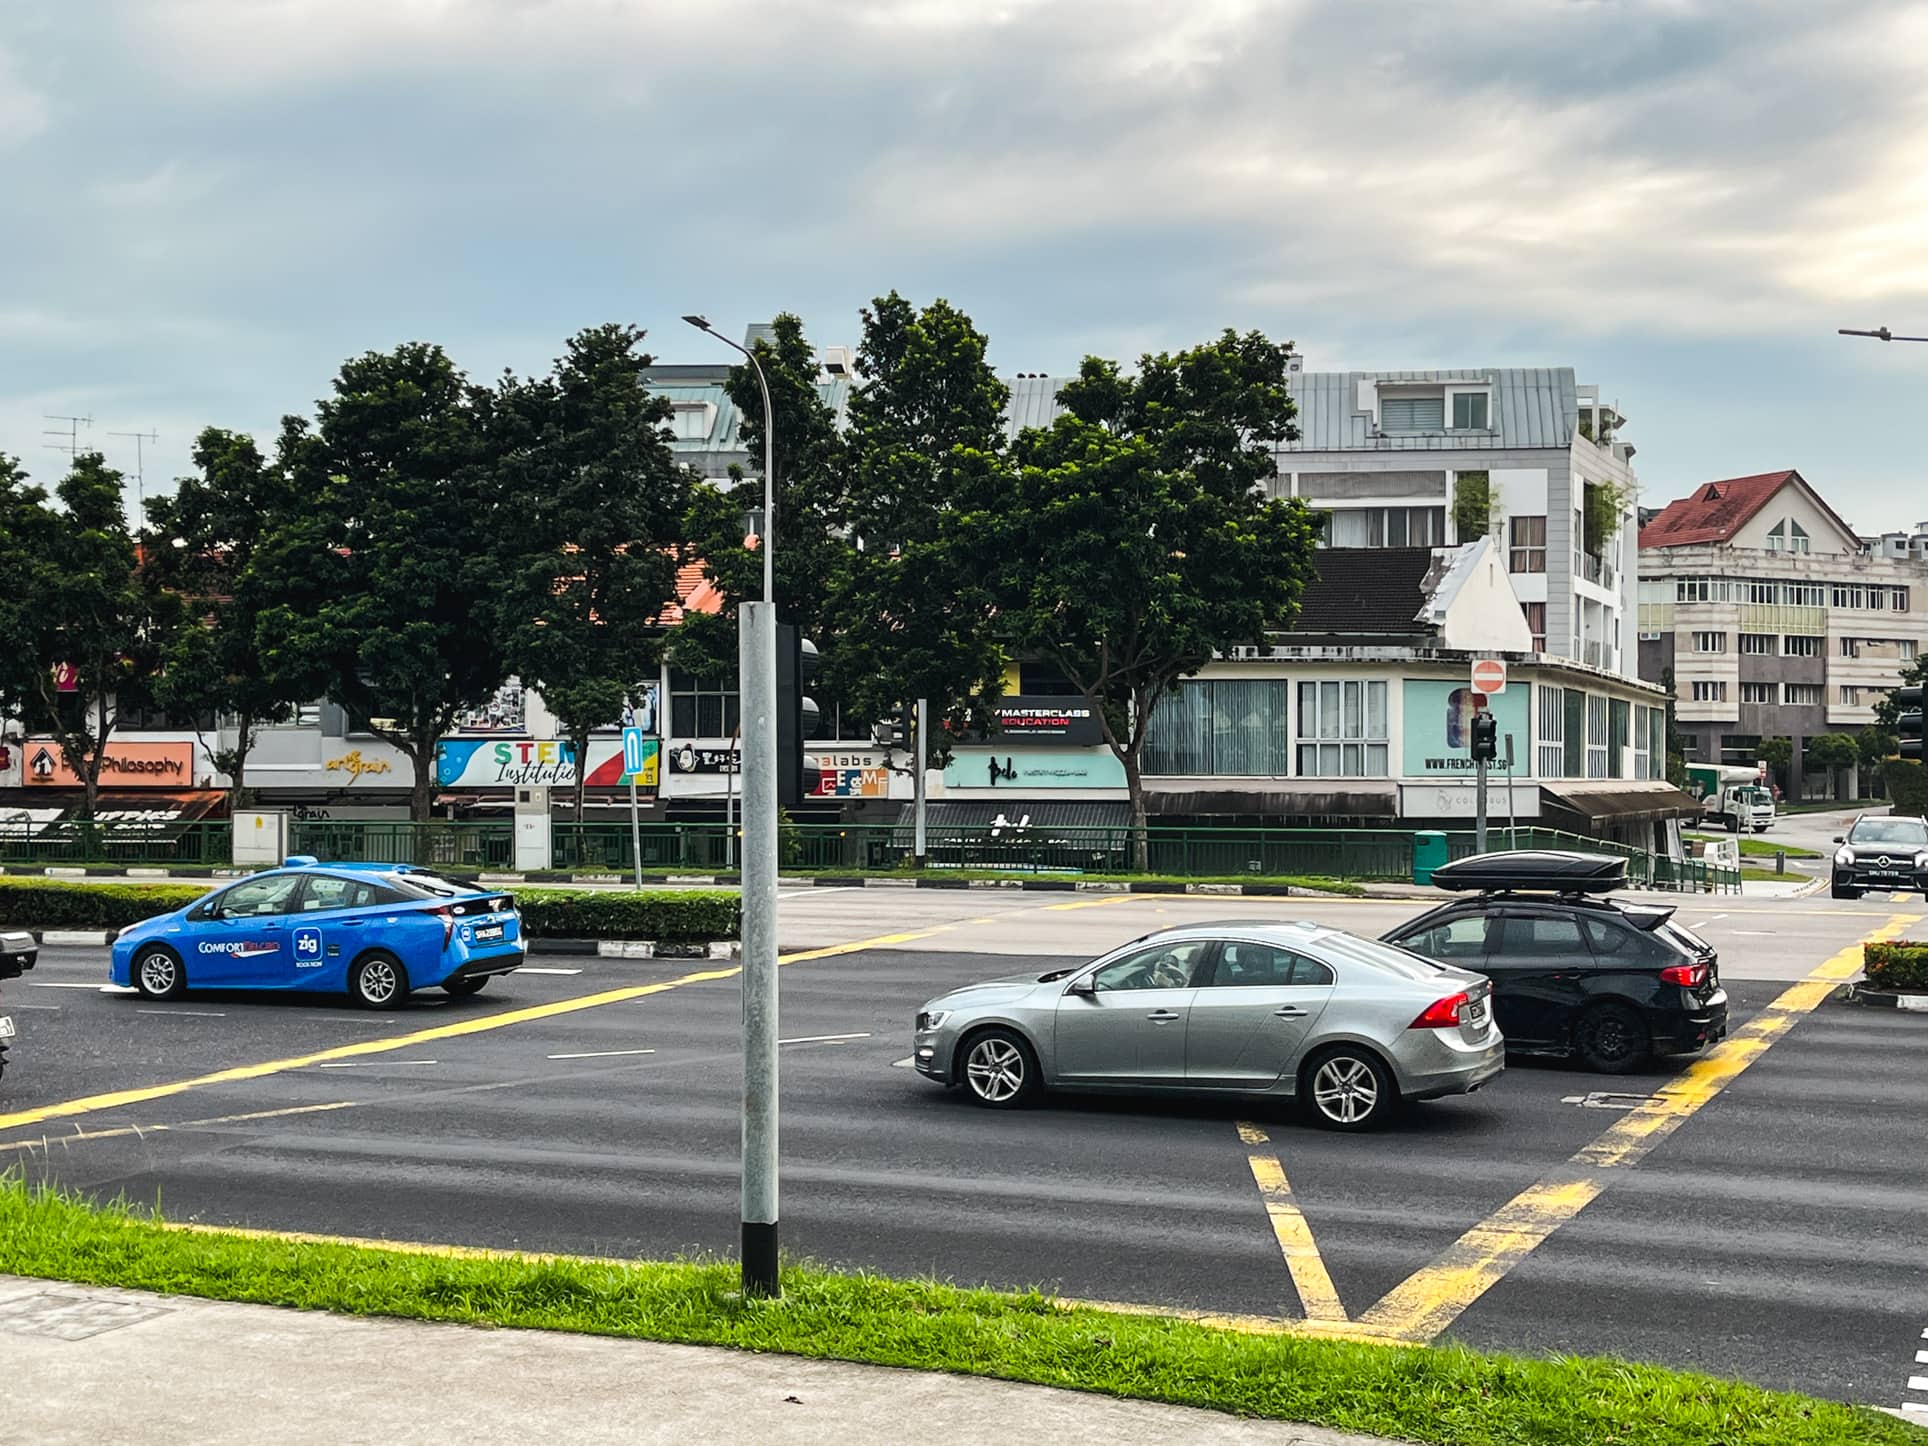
(158, 972)
(995, 1069)
(1345, 1090)
(378, 981)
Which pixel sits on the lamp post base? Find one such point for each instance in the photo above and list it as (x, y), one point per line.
(760, 1258)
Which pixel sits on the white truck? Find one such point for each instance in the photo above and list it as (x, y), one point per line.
(1735, 798)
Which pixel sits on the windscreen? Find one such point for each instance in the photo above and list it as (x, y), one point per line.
(428, 886)
(1890, 830)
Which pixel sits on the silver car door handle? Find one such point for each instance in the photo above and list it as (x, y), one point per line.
(1162, 1016)
(1291, 1011)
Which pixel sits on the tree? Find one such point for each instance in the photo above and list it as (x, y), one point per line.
(909, 614)
(602, 505)
(1778, 755)
(83, 631)
(202, 545)
(1134, 540)
(384, 577)
(1472, 505)
(1834, 752)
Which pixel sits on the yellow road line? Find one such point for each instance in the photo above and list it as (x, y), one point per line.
(1430, 1300)
(1317, 1298)
(480, 1024)
(1093, 903)
(47, 1142)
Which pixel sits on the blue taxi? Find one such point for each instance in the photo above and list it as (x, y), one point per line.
(374, 931)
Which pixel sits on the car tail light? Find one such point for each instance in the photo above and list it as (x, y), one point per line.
(1691, 975)
(447, 916)
(1441, 1013)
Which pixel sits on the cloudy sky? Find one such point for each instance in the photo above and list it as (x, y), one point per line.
(205, 205)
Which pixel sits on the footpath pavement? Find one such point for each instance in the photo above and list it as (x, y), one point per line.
(108, 1366)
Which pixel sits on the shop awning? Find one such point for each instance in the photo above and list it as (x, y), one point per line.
(156, 805)
(1599, 800)
(1346, 801)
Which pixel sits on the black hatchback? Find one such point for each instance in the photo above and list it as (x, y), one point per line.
(1575, 974)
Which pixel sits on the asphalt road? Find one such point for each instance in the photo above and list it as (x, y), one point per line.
(1774, 1235)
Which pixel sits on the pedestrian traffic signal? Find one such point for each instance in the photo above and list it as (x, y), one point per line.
(1908, 724)
(1486, 737)
(797, 713)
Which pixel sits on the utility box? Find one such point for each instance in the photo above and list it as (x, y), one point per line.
(1429, 853)
(261, 838)
(532, 832)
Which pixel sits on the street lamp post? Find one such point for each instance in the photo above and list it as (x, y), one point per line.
(757, 673)
(1880, 333)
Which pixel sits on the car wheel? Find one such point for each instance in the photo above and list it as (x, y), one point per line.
(1000, 1070)
(1611, 1039)
(158, 973)
(378, 981)
(1841, 891)
(470, 985)
(1348, 1088)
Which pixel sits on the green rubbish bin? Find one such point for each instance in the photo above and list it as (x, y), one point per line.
(1429, 853)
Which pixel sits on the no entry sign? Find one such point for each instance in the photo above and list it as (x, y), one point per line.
(1489, 676)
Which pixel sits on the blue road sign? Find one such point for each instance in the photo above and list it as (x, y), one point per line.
(635, 750)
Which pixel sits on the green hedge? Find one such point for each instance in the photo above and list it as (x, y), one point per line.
(675, 915)
(1907, 786)
(1897, 964)
(49, 904)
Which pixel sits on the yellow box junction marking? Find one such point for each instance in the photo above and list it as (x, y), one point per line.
(480, 1024)
(1433, 1298)
(1317, 1299)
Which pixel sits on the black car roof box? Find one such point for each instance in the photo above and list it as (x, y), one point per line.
(1535, 871)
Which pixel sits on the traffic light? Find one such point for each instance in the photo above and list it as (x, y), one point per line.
(1486, 737)
(796, 712)
(1908, 724)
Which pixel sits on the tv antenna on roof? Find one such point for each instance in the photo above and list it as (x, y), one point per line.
(65, 439)
(140, 468)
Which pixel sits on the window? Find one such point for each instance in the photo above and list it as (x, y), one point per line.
(1221, 727)
(1850, 597)
(1642, 742)
(1597, 736)
(1386, 527)
(700, 710)
(1804, 695)
(691, 421)
(1709, 692)
(1878, 599)
(1461, 938)
(1755, 591)
(1760, 644)
(1528, 552)
(1619, 726)
(1615, 943)
(1552, 732)
(1164, 966)
(1850, 647)
(1342, 730)
(1412, 414)
(325, 891)
(1573, 761)
(1909, 650)
(1799, 646)
(1850, 696)
(1536, 623)
(1538, 935)
(1710, 642)
(1740, 749)
(1243, 965)
(1757, 692)
(1469, 411)
(1777, 536)
(1897, 599)
(1805, 594)
(258, 897)
(1787, 536)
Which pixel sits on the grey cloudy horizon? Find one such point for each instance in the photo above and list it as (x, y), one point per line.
(212, 203)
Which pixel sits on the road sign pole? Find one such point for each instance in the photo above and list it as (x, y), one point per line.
(1479, 806)
(635, 832)
(1512, 815)
(918, 755)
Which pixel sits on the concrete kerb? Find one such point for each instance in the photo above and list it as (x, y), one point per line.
(1908, 1003)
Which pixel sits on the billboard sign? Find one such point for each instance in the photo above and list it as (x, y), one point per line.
(1438, 725)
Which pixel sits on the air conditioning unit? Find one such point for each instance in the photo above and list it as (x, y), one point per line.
(1247, 651)
(1294, 363)
(839, 361)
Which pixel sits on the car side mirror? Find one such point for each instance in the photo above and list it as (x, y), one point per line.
(1840, 838)
(1083, 986)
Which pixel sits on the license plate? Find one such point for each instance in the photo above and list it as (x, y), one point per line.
(6, 1027)
(1476, 1012)
(489, 931)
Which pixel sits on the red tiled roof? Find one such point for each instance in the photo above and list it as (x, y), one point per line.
(694, 594)
(1716, 510)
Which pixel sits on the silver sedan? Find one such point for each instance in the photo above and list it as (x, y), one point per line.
(1349, 1027)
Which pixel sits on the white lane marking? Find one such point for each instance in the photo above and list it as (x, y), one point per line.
(185, 1013)
(531, 969)
(1752, 933)
(1918, 1383)
(54, 984)
(602, 1054)
(355, 1064)
(905, 1063)
(1921, 1357)
(823, 1038)
(50, 1008)
(801, 893)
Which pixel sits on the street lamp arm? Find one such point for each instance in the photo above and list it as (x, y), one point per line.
(1880, 333)
(768, 540)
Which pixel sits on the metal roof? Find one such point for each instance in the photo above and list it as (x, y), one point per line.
(1532, 407)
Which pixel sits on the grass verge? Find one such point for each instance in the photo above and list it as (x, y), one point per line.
(1316, 884)
(1755, 848)
(1449, 1396)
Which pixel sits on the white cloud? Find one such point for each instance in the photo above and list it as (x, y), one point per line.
(23, 111)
